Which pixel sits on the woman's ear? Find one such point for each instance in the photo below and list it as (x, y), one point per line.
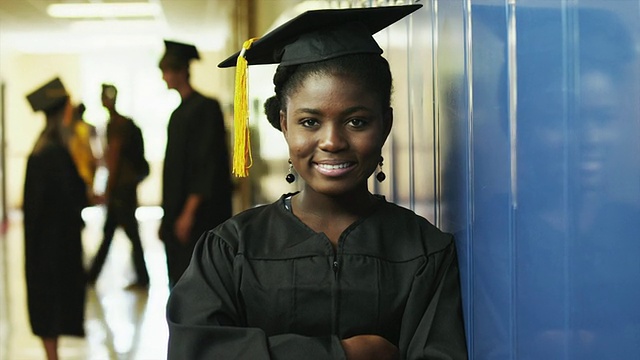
(283, 123)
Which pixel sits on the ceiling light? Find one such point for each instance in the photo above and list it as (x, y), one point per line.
(104, 10)
(115, 26)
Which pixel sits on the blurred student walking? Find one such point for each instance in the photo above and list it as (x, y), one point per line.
(124, 159)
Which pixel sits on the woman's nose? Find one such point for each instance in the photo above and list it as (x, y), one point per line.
(332, 138)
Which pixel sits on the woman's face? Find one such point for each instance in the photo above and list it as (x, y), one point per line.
(335, 128)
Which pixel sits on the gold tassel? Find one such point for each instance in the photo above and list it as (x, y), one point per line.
(242, 159)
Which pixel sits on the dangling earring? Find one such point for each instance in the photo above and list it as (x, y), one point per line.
(290, 177)
(380, 175)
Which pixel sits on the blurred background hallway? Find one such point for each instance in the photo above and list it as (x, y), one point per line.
(120, 322)
(118, 44)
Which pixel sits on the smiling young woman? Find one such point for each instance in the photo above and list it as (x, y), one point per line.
(332, 271)
(335, 126)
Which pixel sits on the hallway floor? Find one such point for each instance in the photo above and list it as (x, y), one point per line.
(120, 323)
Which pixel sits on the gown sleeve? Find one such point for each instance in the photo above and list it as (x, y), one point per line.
(206, 319)
(433, 325)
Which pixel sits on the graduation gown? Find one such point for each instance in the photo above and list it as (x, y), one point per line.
(263, 285)
(196, 162)
(54, 195)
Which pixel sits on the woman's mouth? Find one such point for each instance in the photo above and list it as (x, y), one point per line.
(334, 170)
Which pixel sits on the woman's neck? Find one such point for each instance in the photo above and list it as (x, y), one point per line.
(331, 215)
(354, 204)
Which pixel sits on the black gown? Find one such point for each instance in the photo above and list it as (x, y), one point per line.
(196, 162)
(54, 195)
(263, 285)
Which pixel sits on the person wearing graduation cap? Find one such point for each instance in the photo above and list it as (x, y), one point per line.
(54, 196)
(196, 191)
(332, 271)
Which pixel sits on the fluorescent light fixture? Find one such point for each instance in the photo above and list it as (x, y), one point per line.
(104, 10)
(113, 26)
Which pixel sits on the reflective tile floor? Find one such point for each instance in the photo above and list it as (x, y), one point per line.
(119, 323)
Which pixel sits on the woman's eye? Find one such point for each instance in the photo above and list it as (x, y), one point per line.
(357, 123)
(309, 122)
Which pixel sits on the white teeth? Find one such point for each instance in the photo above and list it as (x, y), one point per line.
(333, 167)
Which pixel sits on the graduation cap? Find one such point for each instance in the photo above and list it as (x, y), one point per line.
(48, 96)
(312, 36)
(318, 35)
(177, 55)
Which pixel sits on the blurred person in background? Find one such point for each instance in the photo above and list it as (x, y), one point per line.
(196, 181)
(82, 140)
(54, 195)
(126, 168)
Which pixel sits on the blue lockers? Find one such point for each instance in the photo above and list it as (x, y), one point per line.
(530, 114)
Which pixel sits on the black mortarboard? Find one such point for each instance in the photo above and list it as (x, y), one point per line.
(313, 36)
(48, 96)
(318, 35)
(178, 54)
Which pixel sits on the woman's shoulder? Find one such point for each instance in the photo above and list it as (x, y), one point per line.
(253, 223)
(408, 229)
(396, 215)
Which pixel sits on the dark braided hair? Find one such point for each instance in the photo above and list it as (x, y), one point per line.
(371, 70)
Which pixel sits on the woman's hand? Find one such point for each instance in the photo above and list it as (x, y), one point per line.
(367, 347)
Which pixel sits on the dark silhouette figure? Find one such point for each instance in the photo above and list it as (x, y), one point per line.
(196, 181)
(121, 195)
(54, 195)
